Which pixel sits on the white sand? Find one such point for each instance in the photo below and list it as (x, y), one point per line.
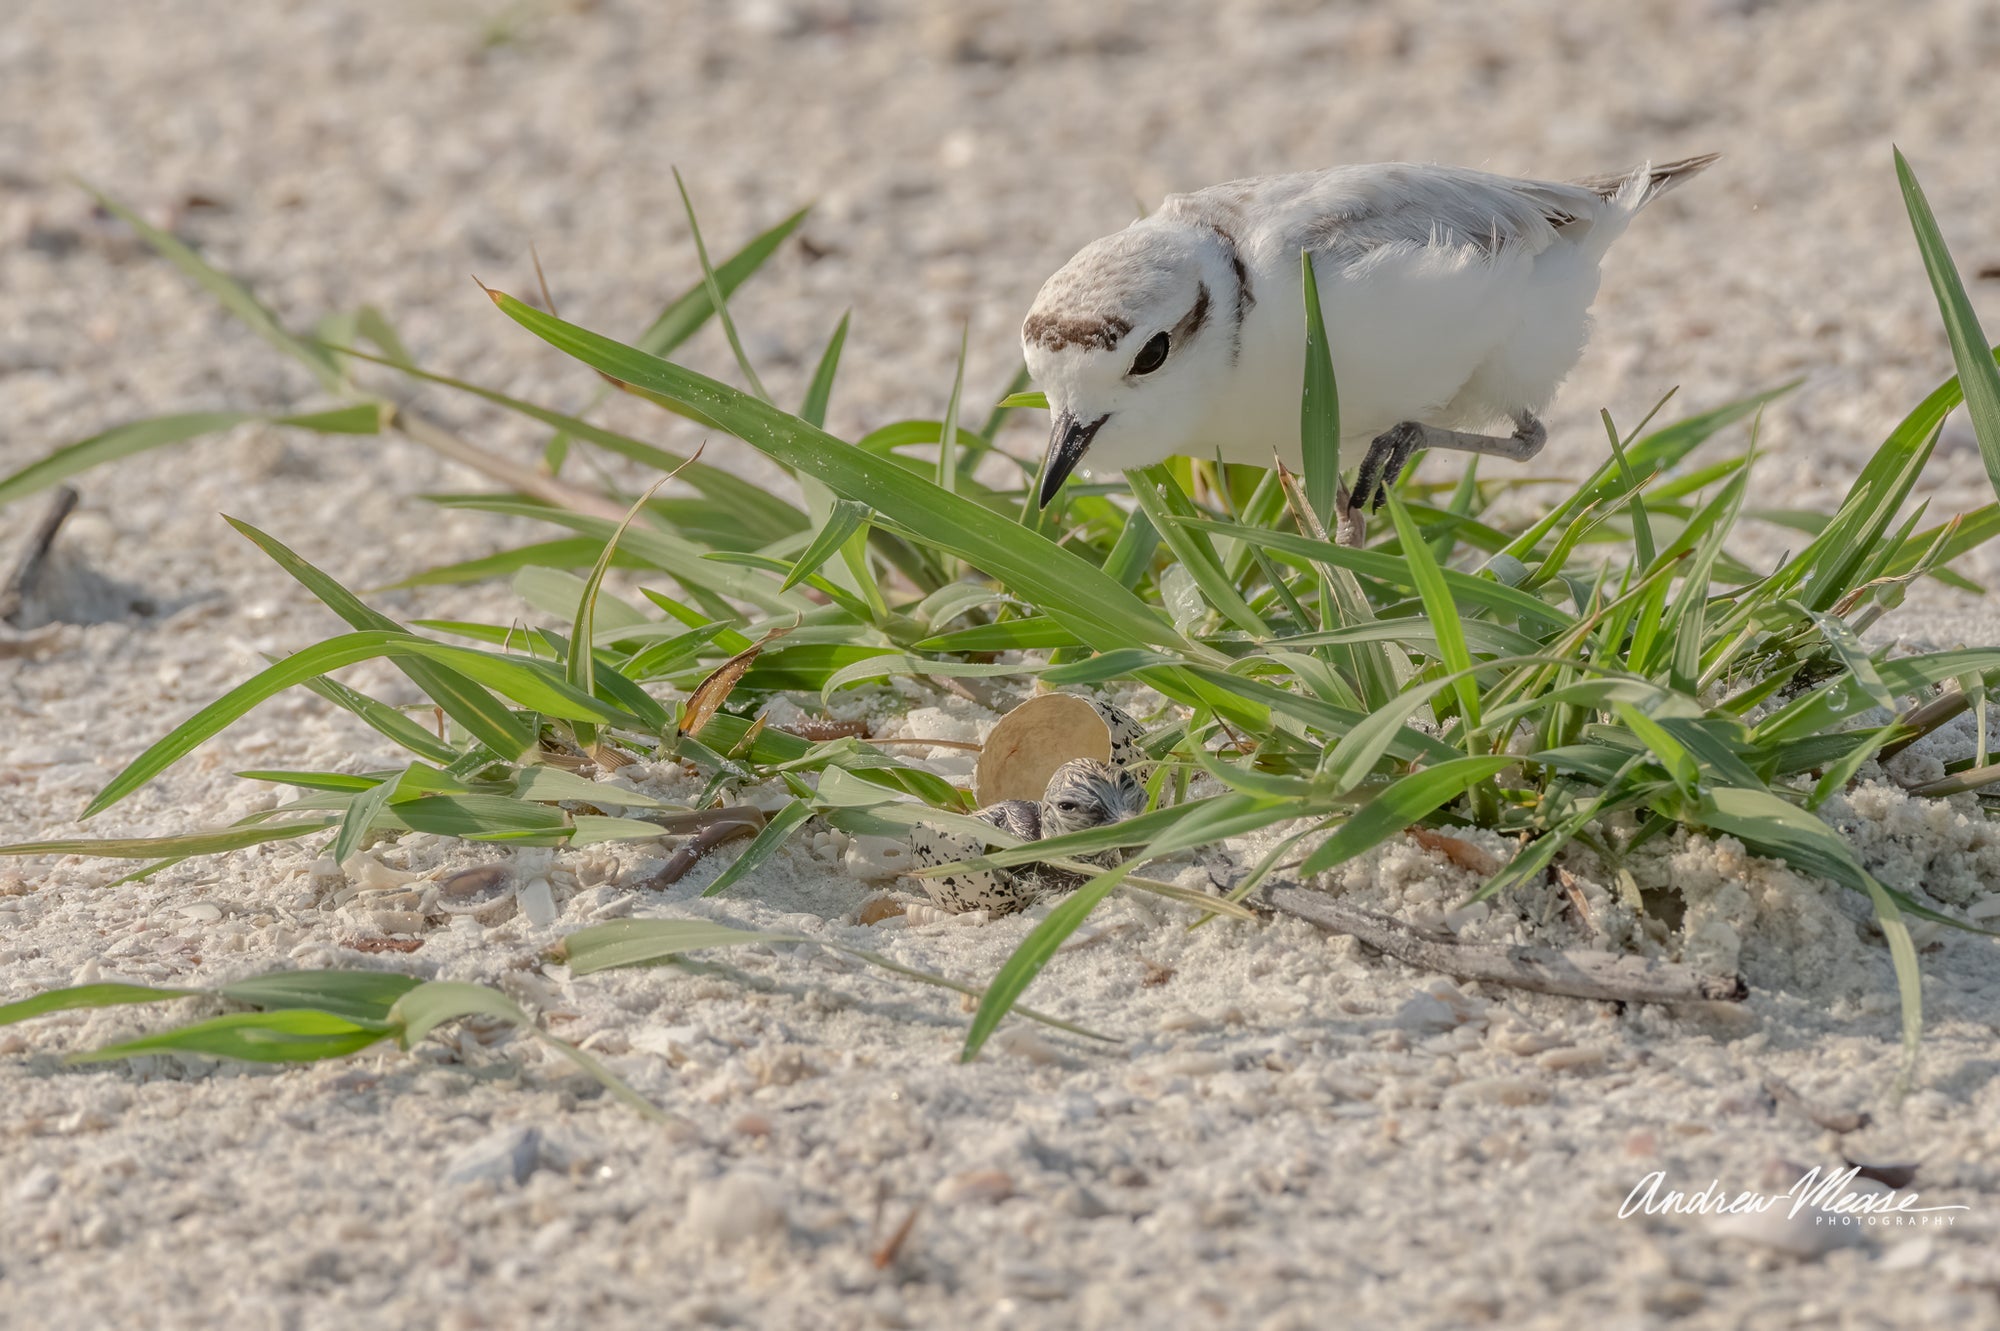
(1290, 1133)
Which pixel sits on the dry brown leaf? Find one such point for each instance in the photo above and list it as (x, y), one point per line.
(1028, 744)
(711, 693)
(1459, 851)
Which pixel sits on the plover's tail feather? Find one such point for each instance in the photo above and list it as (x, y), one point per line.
(1657, 179)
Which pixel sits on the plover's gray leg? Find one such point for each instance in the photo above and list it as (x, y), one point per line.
(1392, 450)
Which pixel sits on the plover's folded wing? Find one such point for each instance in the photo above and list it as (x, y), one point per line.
(1351, 212)
(1659, 179)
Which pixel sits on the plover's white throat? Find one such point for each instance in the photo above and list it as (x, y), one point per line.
(1454, 300)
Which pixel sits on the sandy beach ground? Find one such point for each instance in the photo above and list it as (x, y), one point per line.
(1290, 1133)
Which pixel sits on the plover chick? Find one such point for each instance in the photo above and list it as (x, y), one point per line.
(1082, 794)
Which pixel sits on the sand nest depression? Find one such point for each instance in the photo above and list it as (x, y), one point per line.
(1287, 1118)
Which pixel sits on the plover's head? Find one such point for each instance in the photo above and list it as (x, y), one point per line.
(1085, 793)
(1131, 340)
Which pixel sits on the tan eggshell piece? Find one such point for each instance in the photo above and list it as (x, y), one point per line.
(1030, 742)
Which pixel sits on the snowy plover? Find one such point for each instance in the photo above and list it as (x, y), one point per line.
(1453, 299)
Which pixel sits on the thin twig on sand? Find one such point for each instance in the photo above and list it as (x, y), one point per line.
(1576, 974)
(716, 826)
(35, 552)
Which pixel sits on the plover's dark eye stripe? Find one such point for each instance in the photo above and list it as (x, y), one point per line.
(1245, 298)
(1195, 318)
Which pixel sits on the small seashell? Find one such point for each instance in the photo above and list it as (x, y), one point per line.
(877, 858)
(472, 882)
(489, 906)
(538, 902)
(1501, 1091)
(978, 1186)
(739, 1206)
(1572, 1058)
(371, 875)
(506, 1156)
(398, 921)
(920, 913)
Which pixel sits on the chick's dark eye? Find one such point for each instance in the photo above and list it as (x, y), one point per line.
(1152, 356)
(1067, 806)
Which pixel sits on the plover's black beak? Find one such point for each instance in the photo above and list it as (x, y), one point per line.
(1067, 440)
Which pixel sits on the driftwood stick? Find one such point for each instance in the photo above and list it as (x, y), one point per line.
(35, 552)
(1545, 970)
(717, 826)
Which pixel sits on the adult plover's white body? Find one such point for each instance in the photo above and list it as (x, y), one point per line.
(1453, 300)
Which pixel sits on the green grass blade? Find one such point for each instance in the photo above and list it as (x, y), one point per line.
(332, 654)
(1063, 584)
(947, 464)
(87, 996)
(362, 811)
(462, 700)
(1319, 407)
(1406, 800)
(1035, 950)
(1977, 374)
(716, 298)
(120, 441)
(1173, 515)
(685, 316)
(233, 295)
(359, 996)
(765, 515)
(1473, 591)
(580, 669)
(186, 845)
(619, 943)
(566, 552)
(123, 441)
(820, 391)
(385, 720)
(293, 1035)
(765, 844)
(1442, 611)
(427, 1006)
(1776, 827)
(844, 519)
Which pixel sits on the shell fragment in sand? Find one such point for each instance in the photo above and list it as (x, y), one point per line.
(1028, 744)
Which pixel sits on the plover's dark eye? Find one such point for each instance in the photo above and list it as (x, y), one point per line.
(1152, 356)
(1067, 806)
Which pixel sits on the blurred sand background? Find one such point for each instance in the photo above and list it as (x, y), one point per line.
(341, 153)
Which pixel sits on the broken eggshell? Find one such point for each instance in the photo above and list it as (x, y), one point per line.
(1026, 746)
